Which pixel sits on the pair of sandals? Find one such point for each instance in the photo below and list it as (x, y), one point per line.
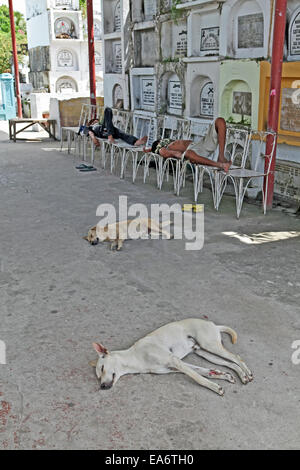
(85, 168)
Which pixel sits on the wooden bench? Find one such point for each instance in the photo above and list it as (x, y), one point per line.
(49, 125)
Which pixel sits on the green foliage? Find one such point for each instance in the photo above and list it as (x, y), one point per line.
(82, 4)
(175, 14)
(5, 38)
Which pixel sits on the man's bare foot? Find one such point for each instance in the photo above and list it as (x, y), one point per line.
(95, 141)
(142, 141)
(225, 166)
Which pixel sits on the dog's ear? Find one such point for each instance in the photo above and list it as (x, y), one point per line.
(100, 349)
(86, 238)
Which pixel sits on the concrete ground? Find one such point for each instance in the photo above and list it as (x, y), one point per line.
(58, 295)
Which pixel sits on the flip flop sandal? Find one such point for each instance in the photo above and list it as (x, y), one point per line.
(82, 166)
(84, 170)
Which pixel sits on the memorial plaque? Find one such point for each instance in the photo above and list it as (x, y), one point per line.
(117, 17)
(65, 59)
(63, 3)
(175, 94)
(117, 52)
(148, 92)
(210, 39)
(242, 103)
(251, 31)
(181, 43)
(295, 37)
(290, 112)
(207, 100)
(149, 9)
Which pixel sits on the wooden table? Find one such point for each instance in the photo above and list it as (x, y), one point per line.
(48, 125)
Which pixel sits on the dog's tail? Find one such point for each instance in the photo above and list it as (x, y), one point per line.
(230, 332)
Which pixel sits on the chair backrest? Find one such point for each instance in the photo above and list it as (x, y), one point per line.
(257, 148)
(237, 145)
(89, 112)
(145, 126)
(175, 128)
(123, 120)
(198, 130)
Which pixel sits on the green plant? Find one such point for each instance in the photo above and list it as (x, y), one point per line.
(175, 13)
(5, 38)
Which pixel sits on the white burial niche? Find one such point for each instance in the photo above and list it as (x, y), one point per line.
(249, 35)
(143, 10)
(113, 56)
(143, 84)
(174, 39)
(112, 14)
(171, 97)
(66, 60)
(204, 32)
(64, 28)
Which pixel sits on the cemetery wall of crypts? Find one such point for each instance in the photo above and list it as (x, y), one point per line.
(58, 49)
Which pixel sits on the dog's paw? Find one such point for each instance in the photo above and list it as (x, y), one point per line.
(221, 391)
(230, 378)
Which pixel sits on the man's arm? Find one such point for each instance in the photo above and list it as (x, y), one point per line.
(170, 153)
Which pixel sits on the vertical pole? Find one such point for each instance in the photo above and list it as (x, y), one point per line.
(91, 39)
(15, 57)
(275, 92)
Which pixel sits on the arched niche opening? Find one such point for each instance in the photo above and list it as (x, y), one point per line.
(66, 85)
(64, 28)
(118, 97)
(236, 103)
(202, 97)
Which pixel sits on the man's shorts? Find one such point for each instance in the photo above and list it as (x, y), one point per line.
(208, 144)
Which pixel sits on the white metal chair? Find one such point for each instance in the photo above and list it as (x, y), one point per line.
(235, 151)
(260, 169)
(143, 126)
(175, 129)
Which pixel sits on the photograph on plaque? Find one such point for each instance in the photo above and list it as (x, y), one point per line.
(181, 43)
(207, 100)
(148, 92)
(242, 103)
(251, 31)
(210, 39)
(117, 51)
(295, 37)
(175, 94)
(290, 112)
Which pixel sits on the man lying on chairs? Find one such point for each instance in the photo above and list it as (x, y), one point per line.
(108, 131)
(197, 152)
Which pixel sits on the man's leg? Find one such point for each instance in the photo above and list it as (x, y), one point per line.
(195, 158)
(220, 125)
(131, 139)
(108, 124)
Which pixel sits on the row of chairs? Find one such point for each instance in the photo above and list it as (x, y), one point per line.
(245, 148)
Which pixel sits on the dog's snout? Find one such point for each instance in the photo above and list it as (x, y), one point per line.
(95, 242)
(105, 386)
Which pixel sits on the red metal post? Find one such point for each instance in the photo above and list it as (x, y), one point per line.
(15, 57)
(275, 90)
(91, 39)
